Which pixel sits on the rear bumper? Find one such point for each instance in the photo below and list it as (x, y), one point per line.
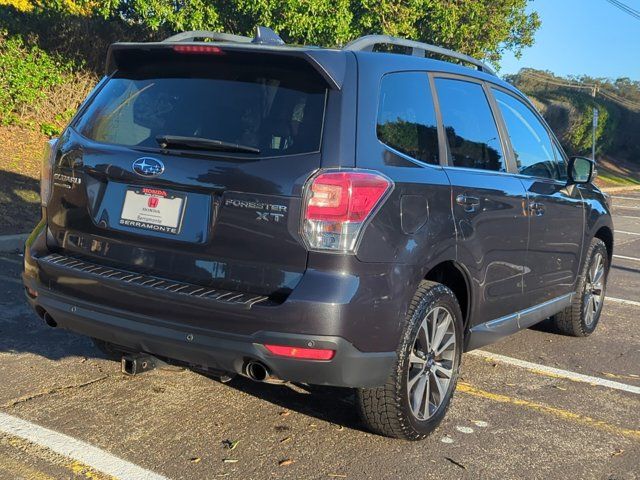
(216, 350)
(326, 310)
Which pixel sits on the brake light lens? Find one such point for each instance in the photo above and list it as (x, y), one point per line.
(301, 353)
(337, 206)
(198, 49)
(46, 171)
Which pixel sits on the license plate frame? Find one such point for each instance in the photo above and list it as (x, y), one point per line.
(153, 209)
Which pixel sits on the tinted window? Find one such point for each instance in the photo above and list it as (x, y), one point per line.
(406, 116)
(469, 124)
(531, 143)
(276, 109)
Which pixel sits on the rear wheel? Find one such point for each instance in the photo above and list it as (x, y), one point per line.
(581, 318)
(417, 394)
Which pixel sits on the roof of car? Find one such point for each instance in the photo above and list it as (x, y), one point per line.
(330, 62)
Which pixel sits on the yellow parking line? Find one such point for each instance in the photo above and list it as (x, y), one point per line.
(80, 469)
(17, 469)
(557, 412)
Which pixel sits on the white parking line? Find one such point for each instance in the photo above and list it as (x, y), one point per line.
(623, 301)
(556, 372)
(626, 198)
(624, 257)
(75, 449)
(626, 216)
(626, 233)
(627, 207)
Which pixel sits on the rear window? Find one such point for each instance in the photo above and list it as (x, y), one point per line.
(407, 117)
(276, 107)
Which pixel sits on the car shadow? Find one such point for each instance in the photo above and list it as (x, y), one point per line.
(22, 331)
(330, 404)
(19, 203)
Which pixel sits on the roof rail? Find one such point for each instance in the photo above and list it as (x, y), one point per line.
(264, 36)
(367, 43)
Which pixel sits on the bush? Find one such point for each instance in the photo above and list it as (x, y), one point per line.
(37, 87)
(26, 74)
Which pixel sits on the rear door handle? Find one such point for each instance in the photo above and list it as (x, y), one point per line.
(536, 208)
(469, 203)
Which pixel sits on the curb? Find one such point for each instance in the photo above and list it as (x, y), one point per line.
(13, 243)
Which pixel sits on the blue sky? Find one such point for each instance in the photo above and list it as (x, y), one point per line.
(577, 37)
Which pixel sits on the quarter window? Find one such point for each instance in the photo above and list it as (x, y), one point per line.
(531, 143)
(406, 116)
(471, 130)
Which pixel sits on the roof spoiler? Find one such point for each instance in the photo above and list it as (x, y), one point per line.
(331, 65)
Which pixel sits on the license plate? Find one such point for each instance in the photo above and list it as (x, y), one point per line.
(153, 209)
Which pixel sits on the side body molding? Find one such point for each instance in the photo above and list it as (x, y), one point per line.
(494, 330)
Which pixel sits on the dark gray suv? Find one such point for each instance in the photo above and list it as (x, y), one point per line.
(353, 217)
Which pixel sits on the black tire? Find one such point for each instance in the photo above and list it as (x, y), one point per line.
(386, 410)
(575, 320)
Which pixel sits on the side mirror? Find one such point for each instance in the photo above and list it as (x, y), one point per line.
(581, 170)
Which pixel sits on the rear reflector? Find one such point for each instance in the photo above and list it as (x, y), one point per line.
(198, 49)
(338, 205)
(301, 353)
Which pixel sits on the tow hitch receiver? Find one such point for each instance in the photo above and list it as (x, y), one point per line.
(135, 363)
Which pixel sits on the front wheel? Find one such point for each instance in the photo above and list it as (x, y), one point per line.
(417, 394)
(581, 318)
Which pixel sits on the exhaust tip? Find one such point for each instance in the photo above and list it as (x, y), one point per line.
(48, 319)
(257, 371)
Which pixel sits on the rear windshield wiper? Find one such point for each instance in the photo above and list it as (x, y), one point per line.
(197, 143)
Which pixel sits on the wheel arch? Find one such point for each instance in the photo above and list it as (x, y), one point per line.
(453, 275)
(605, 234)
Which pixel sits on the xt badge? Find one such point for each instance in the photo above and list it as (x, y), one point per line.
(269, 217)
(265, 211)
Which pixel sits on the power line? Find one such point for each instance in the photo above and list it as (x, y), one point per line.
(625, 8)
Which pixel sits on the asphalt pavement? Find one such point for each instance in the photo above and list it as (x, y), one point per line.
(508, 419)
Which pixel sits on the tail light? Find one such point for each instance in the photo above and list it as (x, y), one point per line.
(338, 205)
(46, 172)
(198, 49)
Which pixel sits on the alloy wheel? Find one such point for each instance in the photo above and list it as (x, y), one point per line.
(431, 363)
(594, 289)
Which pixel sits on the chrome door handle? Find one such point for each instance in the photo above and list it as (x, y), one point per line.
(469, 203)
(536, 208)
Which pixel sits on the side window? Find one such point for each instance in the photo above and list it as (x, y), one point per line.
(406, 116)
(469, 124)
(531, 143)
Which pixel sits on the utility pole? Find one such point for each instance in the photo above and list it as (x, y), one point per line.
(593, 136)
(595, 125)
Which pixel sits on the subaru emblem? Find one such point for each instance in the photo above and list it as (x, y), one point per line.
(148, 167)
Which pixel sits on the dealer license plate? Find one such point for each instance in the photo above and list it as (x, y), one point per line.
(153, 209)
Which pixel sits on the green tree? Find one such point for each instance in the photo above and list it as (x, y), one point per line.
(482, 28)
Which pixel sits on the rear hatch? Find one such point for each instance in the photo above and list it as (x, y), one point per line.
(189, 164)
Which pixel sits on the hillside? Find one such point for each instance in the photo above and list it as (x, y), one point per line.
(567, 104)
